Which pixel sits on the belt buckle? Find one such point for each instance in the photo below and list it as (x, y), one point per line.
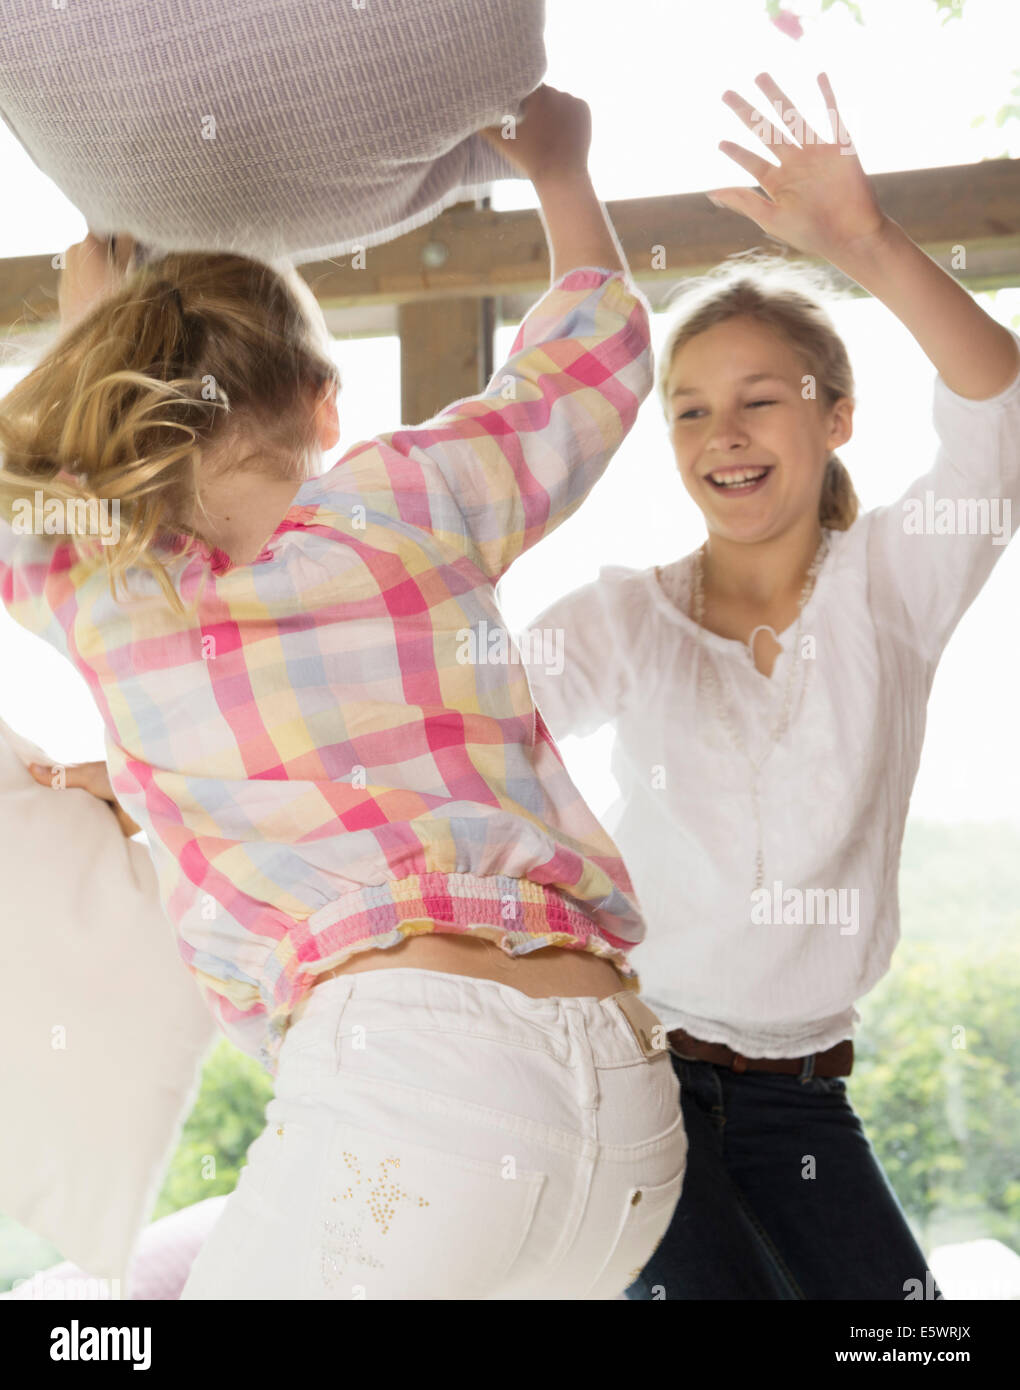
(646, 1026)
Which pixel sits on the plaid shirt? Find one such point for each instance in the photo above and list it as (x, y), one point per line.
(321, 762)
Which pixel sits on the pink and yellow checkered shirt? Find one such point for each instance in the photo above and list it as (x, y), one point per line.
(320, 760)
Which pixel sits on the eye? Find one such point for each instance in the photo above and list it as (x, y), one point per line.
(689, 414)
(752, 403)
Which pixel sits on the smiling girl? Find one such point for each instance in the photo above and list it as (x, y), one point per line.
(768, 694)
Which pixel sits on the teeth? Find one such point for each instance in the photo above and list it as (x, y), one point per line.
(739, 479)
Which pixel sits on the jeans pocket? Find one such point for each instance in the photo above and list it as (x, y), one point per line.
(641, 1225)
(400, 1220)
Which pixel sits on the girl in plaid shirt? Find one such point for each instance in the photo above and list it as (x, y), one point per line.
(381, 876)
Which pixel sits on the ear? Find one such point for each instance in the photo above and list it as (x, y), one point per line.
(841, 423)
(327, 419)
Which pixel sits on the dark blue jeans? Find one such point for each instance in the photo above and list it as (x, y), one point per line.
(784, 1197)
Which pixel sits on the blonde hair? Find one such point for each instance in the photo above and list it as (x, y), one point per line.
(191, 352)
(785, 297)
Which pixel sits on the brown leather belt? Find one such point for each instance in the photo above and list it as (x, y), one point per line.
(836, 1061)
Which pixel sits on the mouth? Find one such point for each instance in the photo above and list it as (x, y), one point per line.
(738, 482)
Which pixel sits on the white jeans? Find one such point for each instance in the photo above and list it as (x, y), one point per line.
(437, 1136)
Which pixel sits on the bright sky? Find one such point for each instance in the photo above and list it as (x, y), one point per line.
(653, 72)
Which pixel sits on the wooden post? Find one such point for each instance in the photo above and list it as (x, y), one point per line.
(446, 345)
(441, 355)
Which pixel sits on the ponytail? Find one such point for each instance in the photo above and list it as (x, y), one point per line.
(131, 404)
(839, 504)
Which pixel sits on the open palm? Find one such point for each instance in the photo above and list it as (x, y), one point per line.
(817, 198)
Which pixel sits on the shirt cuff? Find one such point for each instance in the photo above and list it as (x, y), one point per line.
(595, 270)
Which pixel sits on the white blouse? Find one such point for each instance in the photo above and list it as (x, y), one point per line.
(775, 973)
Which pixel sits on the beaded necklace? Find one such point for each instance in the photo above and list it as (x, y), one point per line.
(708, 681)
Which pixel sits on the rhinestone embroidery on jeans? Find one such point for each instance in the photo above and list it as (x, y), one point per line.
(382, 1202)
(342, 1247)
(342, 1243)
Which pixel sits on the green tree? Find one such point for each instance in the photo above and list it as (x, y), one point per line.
(935, 1083)
(227, 1116)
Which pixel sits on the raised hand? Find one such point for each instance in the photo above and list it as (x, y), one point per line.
(92, 268)
(552, 137)
(817, 198)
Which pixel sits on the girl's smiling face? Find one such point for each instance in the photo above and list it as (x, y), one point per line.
(750, 440)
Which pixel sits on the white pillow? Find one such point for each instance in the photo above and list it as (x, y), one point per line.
(297, 129)
(162, 1262)
(103, 1030)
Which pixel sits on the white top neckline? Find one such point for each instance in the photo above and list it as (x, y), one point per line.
(732, 645)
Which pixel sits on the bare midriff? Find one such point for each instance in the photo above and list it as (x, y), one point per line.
(553, 970)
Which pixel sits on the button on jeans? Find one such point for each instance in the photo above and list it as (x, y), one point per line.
(784, 1197)
(434, 1136)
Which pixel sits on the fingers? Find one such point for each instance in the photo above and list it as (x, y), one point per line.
(93, 778)
(830, 97)
(748, 203)
(784, 117)
(43, 774)
(769, 134)
(116, 251)
(535, 100)
(786, 110)
(839, 131)
(89, 246)
(758, 168)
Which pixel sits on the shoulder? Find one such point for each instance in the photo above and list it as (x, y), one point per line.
(615, 590)
(621, 610)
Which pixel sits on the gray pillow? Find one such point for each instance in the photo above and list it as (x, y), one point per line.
(298, 129)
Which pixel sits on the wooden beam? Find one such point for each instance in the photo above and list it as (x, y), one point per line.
(665, 239)
(470, 252)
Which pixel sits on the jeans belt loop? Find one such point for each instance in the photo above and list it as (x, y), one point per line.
(645, 1024)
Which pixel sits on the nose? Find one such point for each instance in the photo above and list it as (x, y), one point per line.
(728, 434)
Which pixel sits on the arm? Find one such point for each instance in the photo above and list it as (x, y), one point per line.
(551, 146)
(976, 357)
(493, 474)
(591, 687)
(925, 567)
(819, 200)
